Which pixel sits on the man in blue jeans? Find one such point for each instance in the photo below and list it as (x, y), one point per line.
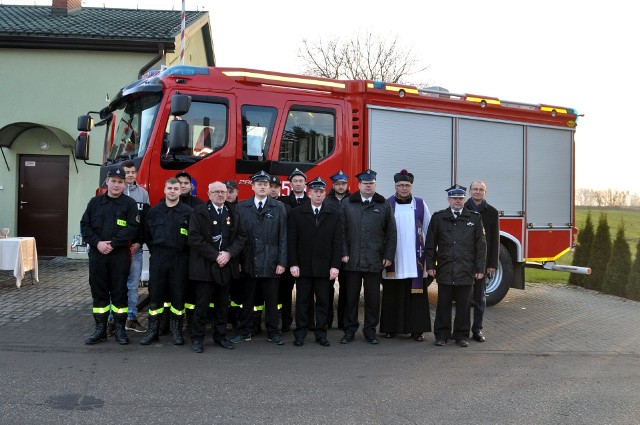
(141, 197)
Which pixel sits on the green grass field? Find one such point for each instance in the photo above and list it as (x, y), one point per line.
(631, 218)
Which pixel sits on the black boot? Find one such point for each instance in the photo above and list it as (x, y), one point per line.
(152, 331)
(100, 333)
(163, 327)
(121, 334)
(176, 329)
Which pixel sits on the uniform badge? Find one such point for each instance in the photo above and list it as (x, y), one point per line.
(469, 223)
(215, 222)
(228, 221)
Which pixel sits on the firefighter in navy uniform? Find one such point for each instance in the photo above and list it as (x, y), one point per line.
(109, 225)
(339, 191)
(295, 199)
(166, 229)
(455, 253)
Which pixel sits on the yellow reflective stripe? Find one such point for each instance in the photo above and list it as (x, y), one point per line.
(121, 222)
(188, 306)
(167, 305)
(176, 311)
(211, 305)
(258, 307)
(282, 78)
(480, 99)
(156, 311)
(120, 310)
(551, 109)
(548, 258)
(232, 304)
(101, 310)
(279, 306)
(184, 231)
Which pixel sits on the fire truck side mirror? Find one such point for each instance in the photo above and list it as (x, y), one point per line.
(180, 104)
(178, 136)
(85, 123)
(82, 146)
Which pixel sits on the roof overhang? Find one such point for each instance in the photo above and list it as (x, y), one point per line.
(9, 133)
(94, 44)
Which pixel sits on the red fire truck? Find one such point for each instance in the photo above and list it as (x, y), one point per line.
(224, 123)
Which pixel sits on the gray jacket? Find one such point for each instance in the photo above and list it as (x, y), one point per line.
(370, 233)
(266, 246)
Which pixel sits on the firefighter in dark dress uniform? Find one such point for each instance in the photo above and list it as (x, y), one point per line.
(296, 198)
(455, 256)
(109, 225)
(166, 229)
(315, 235)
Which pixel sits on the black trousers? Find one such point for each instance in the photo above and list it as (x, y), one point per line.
(285, 298)
(355, 282)
(462, 323)
(205, 292)
(479, 303)
(269, 288)
(168, 277)
(342, 301)
(306, 288)
(108, 276)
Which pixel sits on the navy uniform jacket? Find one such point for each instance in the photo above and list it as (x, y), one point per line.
(315, 249)
(110, 219)
(266, 245)
(491, 223)
(458, 246)
(370, 233)
(168, 227)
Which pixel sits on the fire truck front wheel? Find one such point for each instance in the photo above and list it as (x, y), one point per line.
(500, 282)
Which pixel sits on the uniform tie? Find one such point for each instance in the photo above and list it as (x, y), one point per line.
(456, 214)
(219, 211)
(260, 206)
(316, 213)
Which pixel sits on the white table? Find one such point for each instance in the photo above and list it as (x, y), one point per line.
(19, 255)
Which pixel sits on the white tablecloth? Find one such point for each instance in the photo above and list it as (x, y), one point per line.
(19, 255)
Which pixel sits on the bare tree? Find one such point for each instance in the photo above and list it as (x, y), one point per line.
(367, 57)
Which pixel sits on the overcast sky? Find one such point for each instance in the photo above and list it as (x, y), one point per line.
(581, 55)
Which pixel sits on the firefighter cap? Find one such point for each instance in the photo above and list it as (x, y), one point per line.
(367, 176)
(297, 172)
(184, 174)
(339, 177)
(317, 183)
(456, 191)
(116, 172)
(403, 176)
(231, 184)
(260, 177)
(274, 180)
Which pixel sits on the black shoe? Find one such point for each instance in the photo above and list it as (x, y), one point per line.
(347, 338)
(298, 343)
(323, 341)
(417, 337)
(462, 343)
(224, 344)
(372, 340)
(441, 342)
(479, 337)
(197, 347)
(240, 338)
(390, 335)
(276, 339)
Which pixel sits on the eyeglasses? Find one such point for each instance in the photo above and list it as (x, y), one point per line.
(218, 192)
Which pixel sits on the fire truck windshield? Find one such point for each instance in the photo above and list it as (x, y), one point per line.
(135, 122)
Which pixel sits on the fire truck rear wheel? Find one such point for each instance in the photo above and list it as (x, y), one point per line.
(499, 284)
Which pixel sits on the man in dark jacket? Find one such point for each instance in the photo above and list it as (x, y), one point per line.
(455, 256)
(339, 191)
(166, 229)
(315, 235)
(110, 225)
(370, 246)
(264, 256)
(216, 238)
(491, 223)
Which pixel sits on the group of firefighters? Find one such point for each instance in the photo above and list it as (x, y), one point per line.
(228, 261)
